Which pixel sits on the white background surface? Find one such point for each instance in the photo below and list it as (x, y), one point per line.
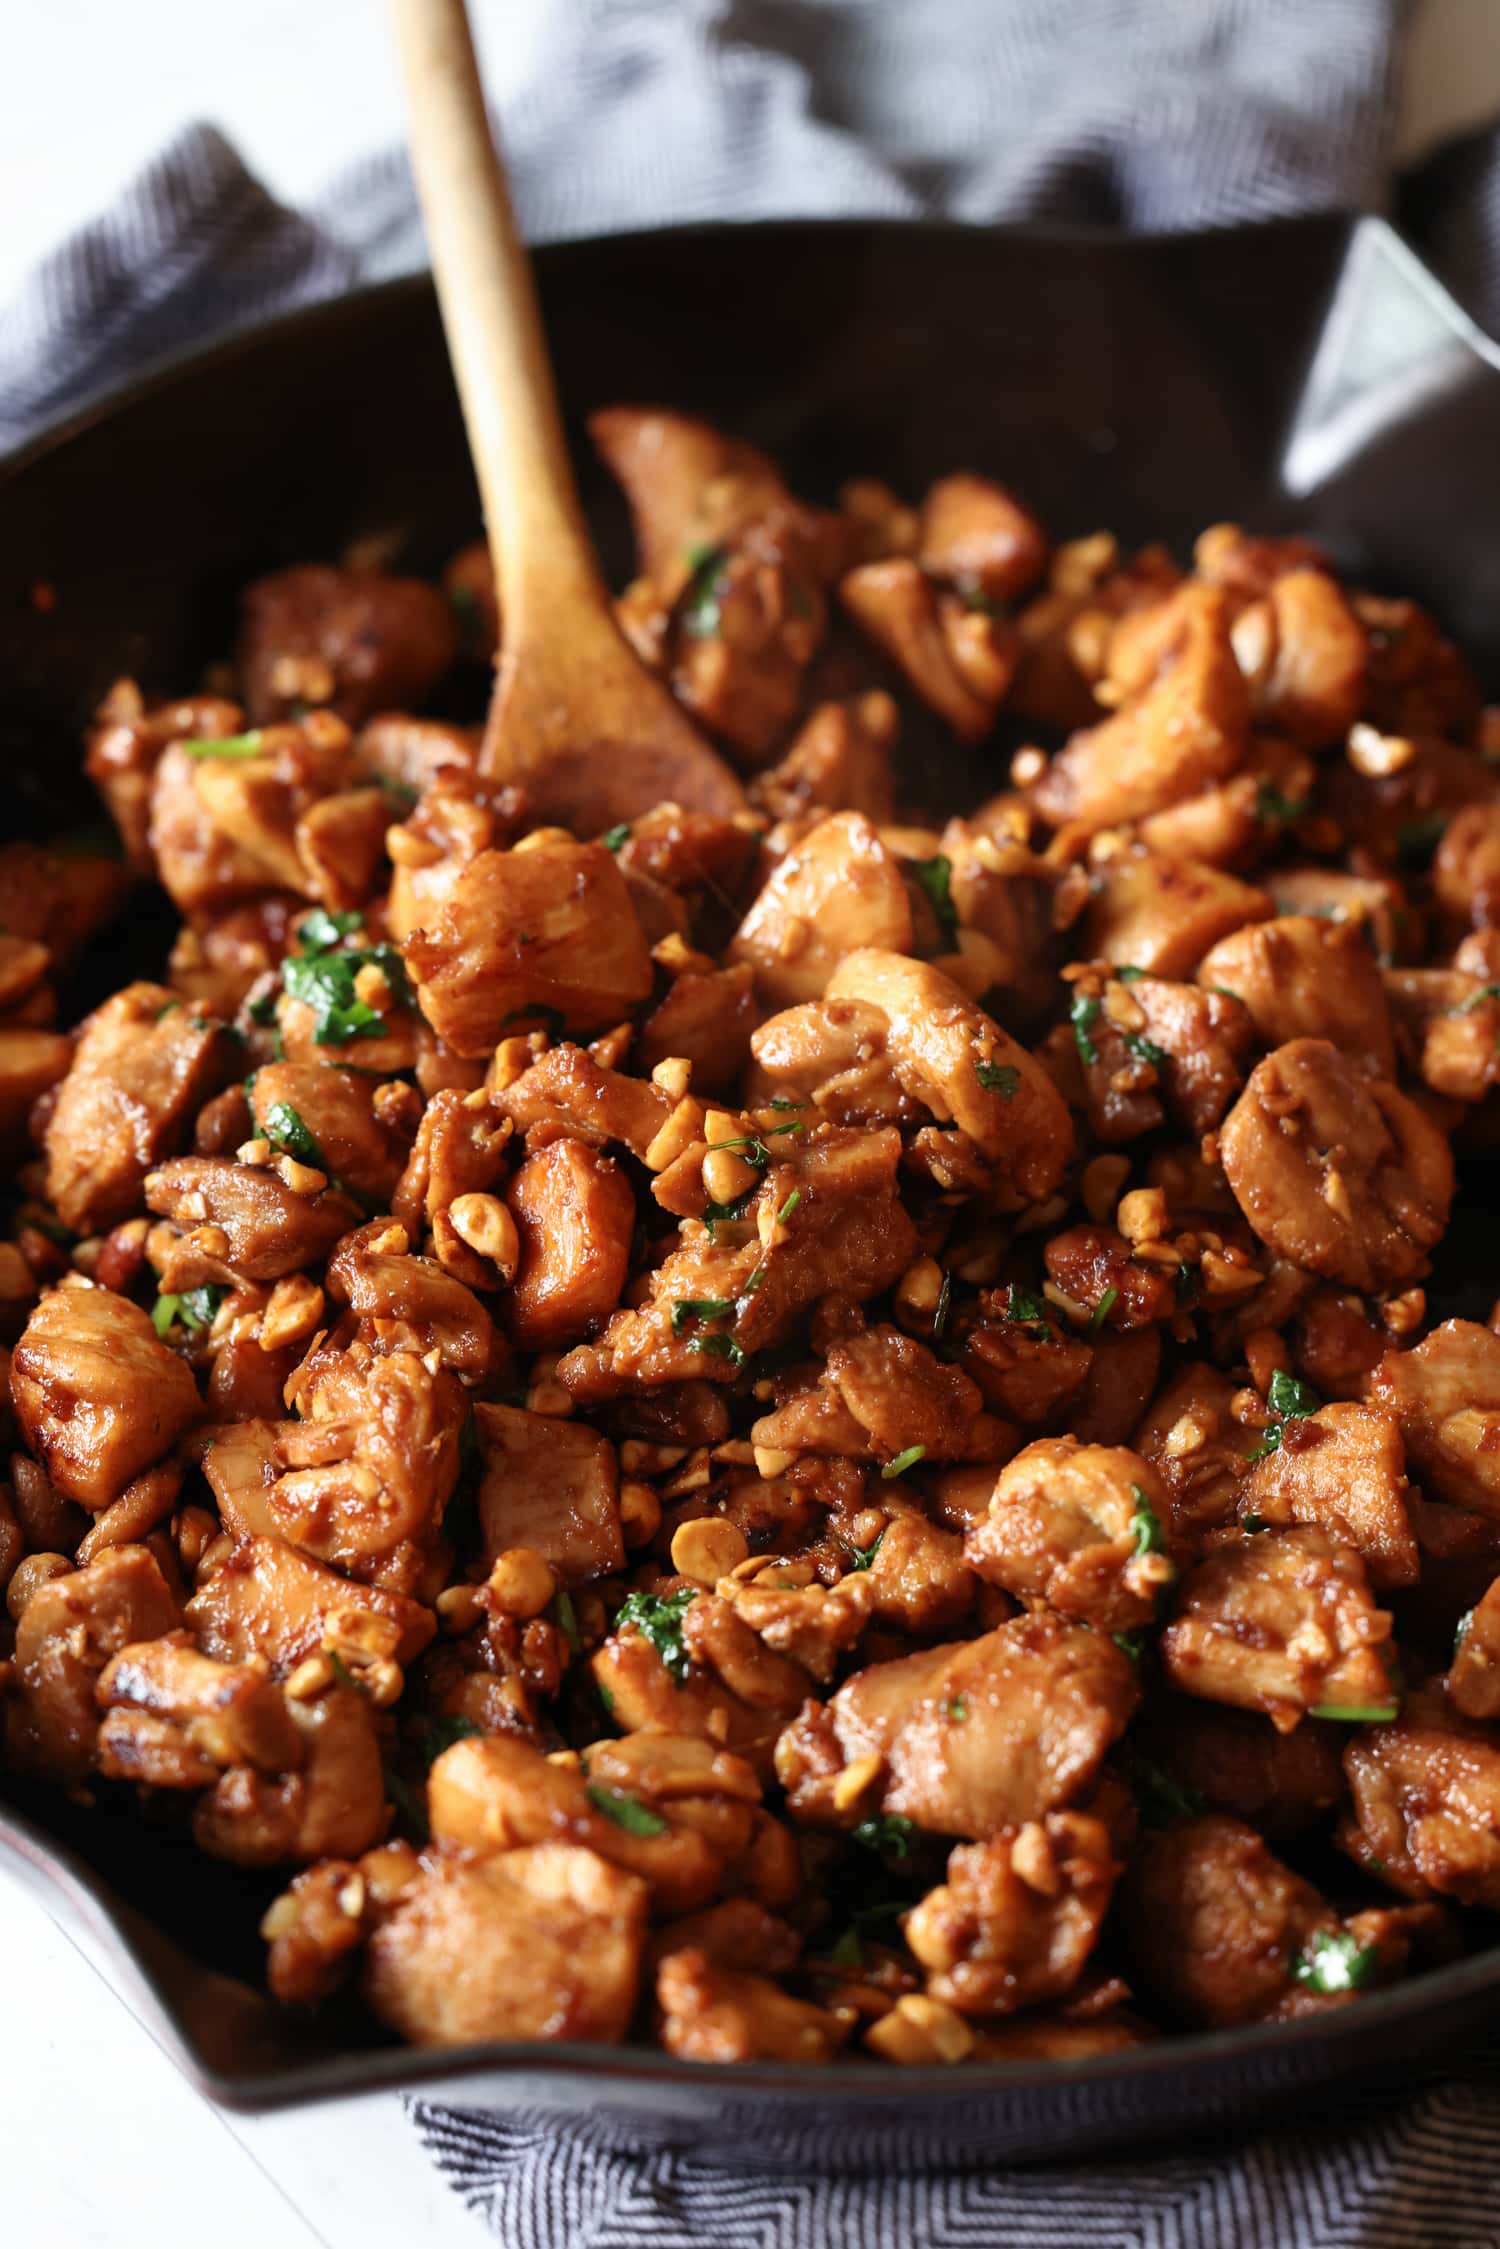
(102, 2145)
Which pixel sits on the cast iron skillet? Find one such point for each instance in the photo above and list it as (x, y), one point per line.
(1305, 373)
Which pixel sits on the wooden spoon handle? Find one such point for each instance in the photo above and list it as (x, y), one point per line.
(539, 543)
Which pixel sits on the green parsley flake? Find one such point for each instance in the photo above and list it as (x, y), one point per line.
(658, 1618)
(889, 1832)
(999, 1077)
(1147, 1050)
(284, 1128)
(700, 605)
(699, 1308)
(442, 1733)
(195, 1309)
(1083, 1015)
(860, 1557)
(1102, 1310)
(1272, 806)
(718, 1346)
(1145, 1524)
(935, 877)
(1355, 1713)
(626, 1811)
(958, 1710)
(902, 1462)
(1288, 1400)
(1335, 1960)
(615, 838)
(1029, 1312)
(226, 746)
(567, 1618)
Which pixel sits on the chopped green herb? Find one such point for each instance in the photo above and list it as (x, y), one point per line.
(342, 1673)
(721, 1214)
(605, 1697)
(1147, 1050)
(1251, 1523)
(320, 931)
(902, 1462)
(615, 838)
(860, 1557)
(699, 606)
(567, 1618)
(165, 1010)
(781, 1101)
(999, 1077)
(324, 981)
(226, 745)
(1132, 1644)
(1476, 999)
(847, 1950)
(1158, 1797)
(1185, 1283)
(195, 1309)
(626, 1811)
(1271, 805)
(975, 598)
(888, 1832)
(699, 1308)
(1083, 1015)
(1417, 840)
(442, 1733)
(752, 1145)
(1145, 1523)
(1288, 1400)
(1029, 1312)
(1102, 1310)
(1335, 1960)
(785, 1212)
(935, 877)
(1356, 1713)
(399, 795)
(718, 1346)
(755, 1282)
(958, 1709)
(410, 1807)
(1128, 975)
(285, 1130)
(658, 1618)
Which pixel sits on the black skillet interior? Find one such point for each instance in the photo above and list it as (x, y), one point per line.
(1305, 373)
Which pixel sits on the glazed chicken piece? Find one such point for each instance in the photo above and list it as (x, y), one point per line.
(58, 899)
(1017, 1917)
(714, 2013)
(1466, 867)
(175, 1718)
(143, 1067)
(689, 485)
(976, 535)
(567, 1091)
(125, 745)
(1303, 650)
(967, 1738)
(1149, 1047)
(355, 641)
(1426, 1796)
(743, 632)
(839, 887)
(1343, 1468)
(1304, 978)
(537, 1943)
(337, 1109)
(409, 1304)
(1162, 915)
(66, 1634)
(459, 1149)
(525, 936)
(1235, 1761)
(840, 761)
(574, 1216)
(954, 651)
(1474, 1674)
(267, 1600)
(1446, 1395)
(552, 1486)
(331, 1805)
(1185, 726)
(1282, 1622)
(97, 1395)
(1336, 1172)
(1216, 1924)
(882, 1395)
(1078, 1529)
(241, 1221)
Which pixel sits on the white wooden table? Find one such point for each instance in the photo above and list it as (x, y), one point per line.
(105, 2146)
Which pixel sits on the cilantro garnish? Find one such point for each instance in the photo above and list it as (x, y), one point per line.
(1335, 1960)
(935, 877)
(658, 1618)
(626, 1811)
(1083, 1015)
(999, 1077)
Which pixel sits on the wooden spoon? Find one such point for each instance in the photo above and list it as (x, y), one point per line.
(574, 716)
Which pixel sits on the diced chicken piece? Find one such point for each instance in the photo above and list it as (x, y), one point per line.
(840, 761)
(1086, 1262)
(337, 1107)
(1377, 904)
(812, 1624)
(315, 1927)
(410, 1303)
(1077, 1528)
(1427, 1803)
(575, 1215)
(1344, 1468)
(1466, 866)
(1419, 683)
(960, 660)
(243, 1220)
(332, 1805)
(1018, 1916)
(58, 898)
(539, 1943)
(1474, 1674)
(1028, 1369)
(707, 1018)
(1395, 819)
(1163, 915)
(978, 536)
(672, 1812)
(67, 1633)
(1452, 1021)
(357, 641)
(966, 1738)
(97, 1394)
(459, 1150)
(890, 1394)
(713, 2013)
(840, 887)
(1303, 651)
(407, 754)
(694, 1697)
(1335, 1345)
(226, 829)
(566, 1091)
(689, 486)
(269, 1601)
(956, 1061)
(1446, 1396)
(1305, 978)
(1282, 1622)
(126, 742)
(747, 625)
(1336, 1172)
(919, 1577)
(144, 1066)
(228, 1714)
(1186, 726)
(525, 935)
(362, 1480)
(1121, 1380)
(1158, 1046)
(550, 1485)
(1237, 1762)
(31, 1062)
(1216, 1923)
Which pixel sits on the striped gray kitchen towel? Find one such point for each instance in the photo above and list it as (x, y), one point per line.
(1140, 113)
